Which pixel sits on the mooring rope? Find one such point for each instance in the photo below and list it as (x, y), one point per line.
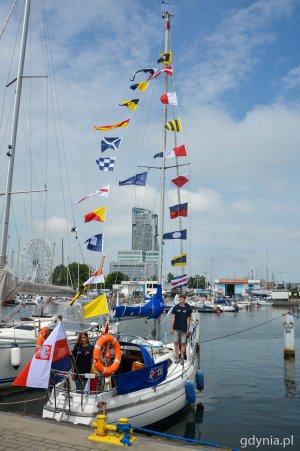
(244, 330)
(176, 437)
(21, 402)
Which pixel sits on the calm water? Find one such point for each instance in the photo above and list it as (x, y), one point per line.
(250, 392)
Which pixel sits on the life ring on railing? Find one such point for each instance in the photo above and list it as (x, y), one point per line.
(43, 334)
(102, 342)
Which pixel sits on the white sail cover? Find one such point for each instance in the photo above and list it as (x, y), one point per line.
(9, 284)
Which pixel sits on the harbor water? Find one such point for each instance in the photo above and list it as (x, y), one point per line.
(251, 398)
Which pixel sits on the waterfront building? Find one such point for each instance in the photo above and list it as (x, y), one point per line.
(236, 287)
(144, 230)
(141, 261)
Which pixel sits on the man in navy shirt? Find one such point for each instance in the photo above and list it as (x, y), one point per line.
(180, 325)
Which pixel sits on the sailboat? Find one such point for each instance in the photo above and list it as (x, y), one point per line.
(18, 338)
(134, 377)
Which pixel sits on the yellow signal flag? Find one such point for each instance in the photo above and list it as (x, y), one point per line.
(143, 85)
(97, 307)
(131, 104)
(166, 58)
(174, 125)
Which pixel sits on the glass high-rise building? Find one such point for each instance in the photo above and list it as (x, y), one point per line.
(144, 230)
(141, 262)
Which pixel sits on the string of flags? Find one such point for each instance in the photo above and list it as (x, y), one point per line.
(107, 164)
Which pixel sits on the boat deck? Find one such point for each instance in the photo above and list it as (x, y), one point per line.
(27, 433)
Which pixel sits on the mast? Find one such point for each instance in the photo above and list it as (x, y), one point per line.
(166, 16)
(12, 145)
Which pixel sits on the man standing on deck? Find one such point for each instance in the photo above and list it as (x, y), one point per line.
(180, 325)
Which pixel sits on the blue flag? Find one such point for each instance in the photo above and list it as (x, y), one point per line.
(160, 154)
(138, 179)
(178, 234)
(106, 164)
(110, 143)
(95, 243)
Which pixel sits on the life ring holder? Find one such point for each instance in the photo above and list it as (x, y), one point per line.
(41, 338)
(107, 341)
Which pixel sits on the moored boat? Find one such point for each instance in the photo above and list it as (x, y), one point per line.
(131, 377)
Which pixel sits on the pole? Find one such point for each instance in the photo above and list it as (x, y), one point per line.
(166, 16)
(12, 145)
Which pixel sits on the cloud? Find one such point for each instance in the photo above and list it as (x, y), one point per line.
(230, 53)
(244, 207)
(292, 79)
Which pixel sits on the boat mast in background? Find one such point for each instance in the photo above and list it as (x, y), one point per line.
(12, 145)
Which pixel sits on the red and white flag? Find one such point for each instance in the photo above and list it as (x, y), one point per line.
(100, 192)
(169, 98)
(55, 349)
(97, 277)
(176, 152)
(168, 70)
(180, 180)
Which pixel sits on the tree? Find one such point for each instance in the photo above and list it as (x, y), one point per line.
(59, 275)
(170, 277)
(68, 275)
(114, 278)
(196, 282)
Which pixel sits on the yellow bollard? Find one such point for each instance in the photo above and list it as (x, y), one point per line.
(100, 425)
(119, 434)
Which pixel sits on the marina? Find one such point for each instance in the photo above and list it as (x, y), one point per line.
(248, 384)
(122, 351)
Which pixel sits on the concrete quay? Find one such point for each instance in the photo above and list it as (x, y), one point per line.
(22, 433)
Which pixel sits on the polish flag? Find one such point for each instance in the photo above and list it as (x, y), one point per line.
(54, 353)
(169, 98)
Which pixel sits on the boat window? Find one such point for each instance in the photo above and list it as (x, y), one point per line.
(24, 327)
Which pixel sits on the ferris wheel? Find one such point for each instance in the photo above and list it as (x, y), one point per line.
(36, 261)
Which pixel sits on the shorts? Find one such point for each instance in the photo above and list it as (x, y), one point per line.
(179, 336)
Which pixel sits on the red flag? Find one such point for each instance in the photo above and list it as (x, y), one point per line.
(180, 181)
(180, 151)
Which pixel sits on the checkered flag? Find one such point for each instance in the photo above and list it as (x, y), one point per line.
(106, 164)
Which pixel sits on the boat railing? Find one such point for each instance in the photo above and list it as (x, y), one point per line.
(65, 383)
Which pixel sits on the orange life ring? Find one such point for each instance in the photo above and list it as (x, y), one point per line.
(102, 342)
(41, 337)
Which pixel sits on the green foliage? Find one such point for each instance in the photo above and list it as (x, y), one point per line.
(170, 277)
(114, 278)
(68, 275)
(196, 282)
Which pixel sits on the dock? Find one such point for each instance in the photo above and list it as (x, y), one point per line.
(23, 433)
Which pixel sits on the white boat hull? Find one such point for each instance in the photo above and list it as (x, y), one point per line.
(142, 408)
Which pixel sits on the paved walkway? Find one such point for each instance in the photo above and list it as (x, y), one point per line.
(33, 434)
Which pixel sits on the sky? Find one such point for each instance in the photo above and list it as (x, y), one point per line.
(237, 78)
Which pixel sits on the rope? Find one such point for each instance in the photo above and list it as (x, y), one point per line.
(21, 402)
(190, 440)
(8, 17)
(242, 331)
